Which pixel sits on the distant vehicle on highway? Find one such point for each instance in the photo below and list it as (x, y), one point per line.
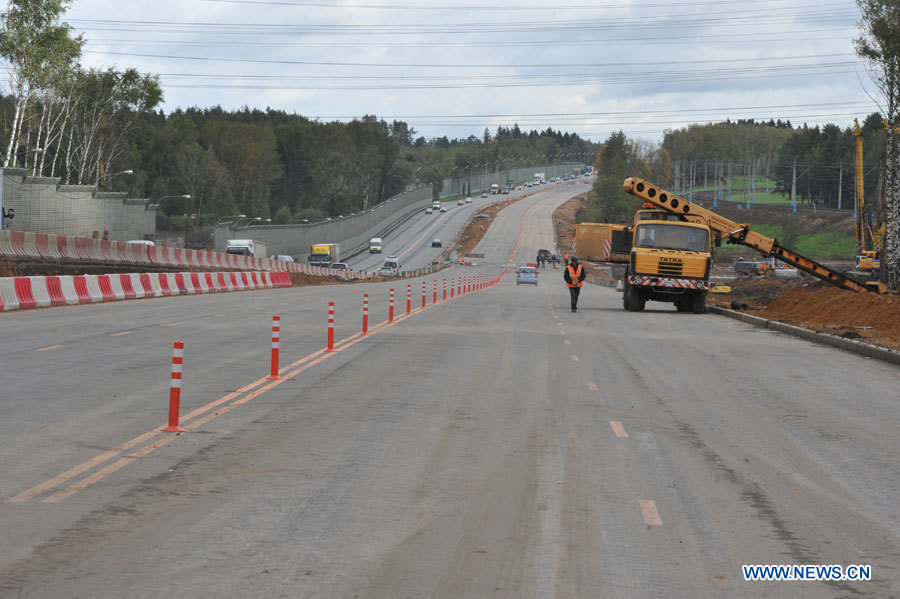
(505, 191)
(339, 266)
(429, 211)
(435, 205)
(375, 245)
(483, 216)
(282, 258)
(443, 209)
(392, 262)
(545, 254)
(527, 275)
(436, 243)
(387, 271)
(459, 203)
(146, 242)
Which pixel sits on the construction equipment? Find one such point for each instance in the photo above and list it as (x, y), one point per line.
(869, 233)
(733, 232)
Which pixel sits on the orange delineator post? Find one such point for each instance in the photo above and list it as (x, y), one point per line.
(452, 285)
(330, 326)
(408, 299)
(445, 290)
(434, 299)
(365, 327)
(276, 345)
(391, 307)
(424, 291)
(175, 388)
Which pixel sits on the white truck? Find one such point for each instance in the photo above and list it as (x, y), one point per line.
(246, 247)
(539, 178)
(495, 189)
(375, 245)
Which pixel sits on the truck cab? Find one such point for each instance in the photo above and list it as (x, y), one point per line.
(670, 262)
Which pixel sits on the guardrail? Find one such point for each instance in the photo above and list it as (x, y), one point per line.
(20, 293)
(45, 246)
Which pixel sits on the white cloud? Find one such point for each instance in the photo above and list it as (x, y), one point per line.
(460, 64)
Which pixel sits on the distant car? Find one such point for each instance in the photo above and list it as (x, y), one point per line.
(429, 211)
(505, 192)
(469, 200)
(545, 254)
(527, 275)
(387, 271)
(436, 243)
(483, 216)
(146, 242)
(339, 266)
(443, 209)
(459, 203)
(283, 258)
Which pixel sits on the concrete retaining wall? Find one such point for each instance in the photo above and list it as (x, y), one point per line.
(42, 205)
(352, 232)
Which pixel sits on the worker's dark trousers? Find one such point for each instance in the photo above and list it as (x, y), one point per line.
(574, 291)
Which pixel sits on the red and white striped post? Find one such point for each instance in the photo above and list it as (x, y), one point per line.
(330, 326)
(424, 292)
(408, 299)
(445, 290)
(365, 329)
(175, 388)
(391, 307)
(276, 345)
(459, 286)
(434, 299)
(452, 286)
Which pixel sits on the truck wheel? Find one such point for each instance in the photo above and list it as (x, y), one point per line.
(625, 295)
(683, 304)
(698, 303)
(635, 302)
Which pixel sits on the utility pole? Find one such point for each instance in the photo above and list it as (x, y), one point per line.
(840, 183)
(794, 188)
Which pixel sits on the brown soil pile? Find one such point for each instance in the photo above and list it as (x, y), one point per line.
(8, 269)
(756, 292)
(302, 279)
(477, 229)
(564, 221)
(866, 316)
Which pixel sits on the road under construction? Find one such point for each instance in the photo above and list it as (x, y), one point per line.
(492, 444)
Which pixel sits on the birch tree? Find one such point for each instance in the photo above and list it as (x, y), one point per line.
(36, 47)
(879, 45)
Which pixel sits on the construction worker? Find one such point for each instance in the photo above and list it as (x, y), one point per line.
(574, 275)
(567, 258)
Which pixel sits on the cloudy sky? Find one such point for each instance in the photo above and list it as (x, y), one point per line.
(453, 68)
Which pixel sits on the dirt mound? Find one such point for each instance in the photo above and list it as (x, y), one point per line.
(874, 318)
(301, 279)
(564, 221)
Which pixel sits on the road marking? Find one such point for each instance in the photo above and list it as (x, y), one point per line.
(618, 428)
(174, 324)
(303, 363)
(559, 324)
(593, 387)
(555, 316)
(574, 358)
(49, 348)
(120, 334)
(258, 308)
(567, 342)
(648, 511)
(218, 315)
(562, 332)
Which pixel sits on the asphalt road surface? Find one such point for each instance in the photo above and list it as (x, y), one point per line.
(493, 445)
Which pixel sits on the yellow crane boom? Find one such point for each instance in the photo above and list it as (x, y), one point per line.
(741, 233)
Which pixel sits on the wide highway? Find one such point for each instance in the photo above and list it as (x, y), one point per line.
(492, 445)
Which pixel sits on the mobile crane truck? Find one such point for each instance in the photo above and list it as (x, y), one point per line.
(656, 275)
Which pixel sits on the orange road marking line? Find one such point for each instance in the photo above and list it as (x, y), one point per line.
(593, 387)
(108, 455)
(562, 332)
(567, 342)
(559, 324)
(574, 358)
(49, 348)
(218, 315)
(120, 334)
(618, 428)
(649, 512)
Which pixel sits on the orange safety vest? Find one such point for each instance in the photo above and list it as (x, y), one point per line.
(573, 275)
